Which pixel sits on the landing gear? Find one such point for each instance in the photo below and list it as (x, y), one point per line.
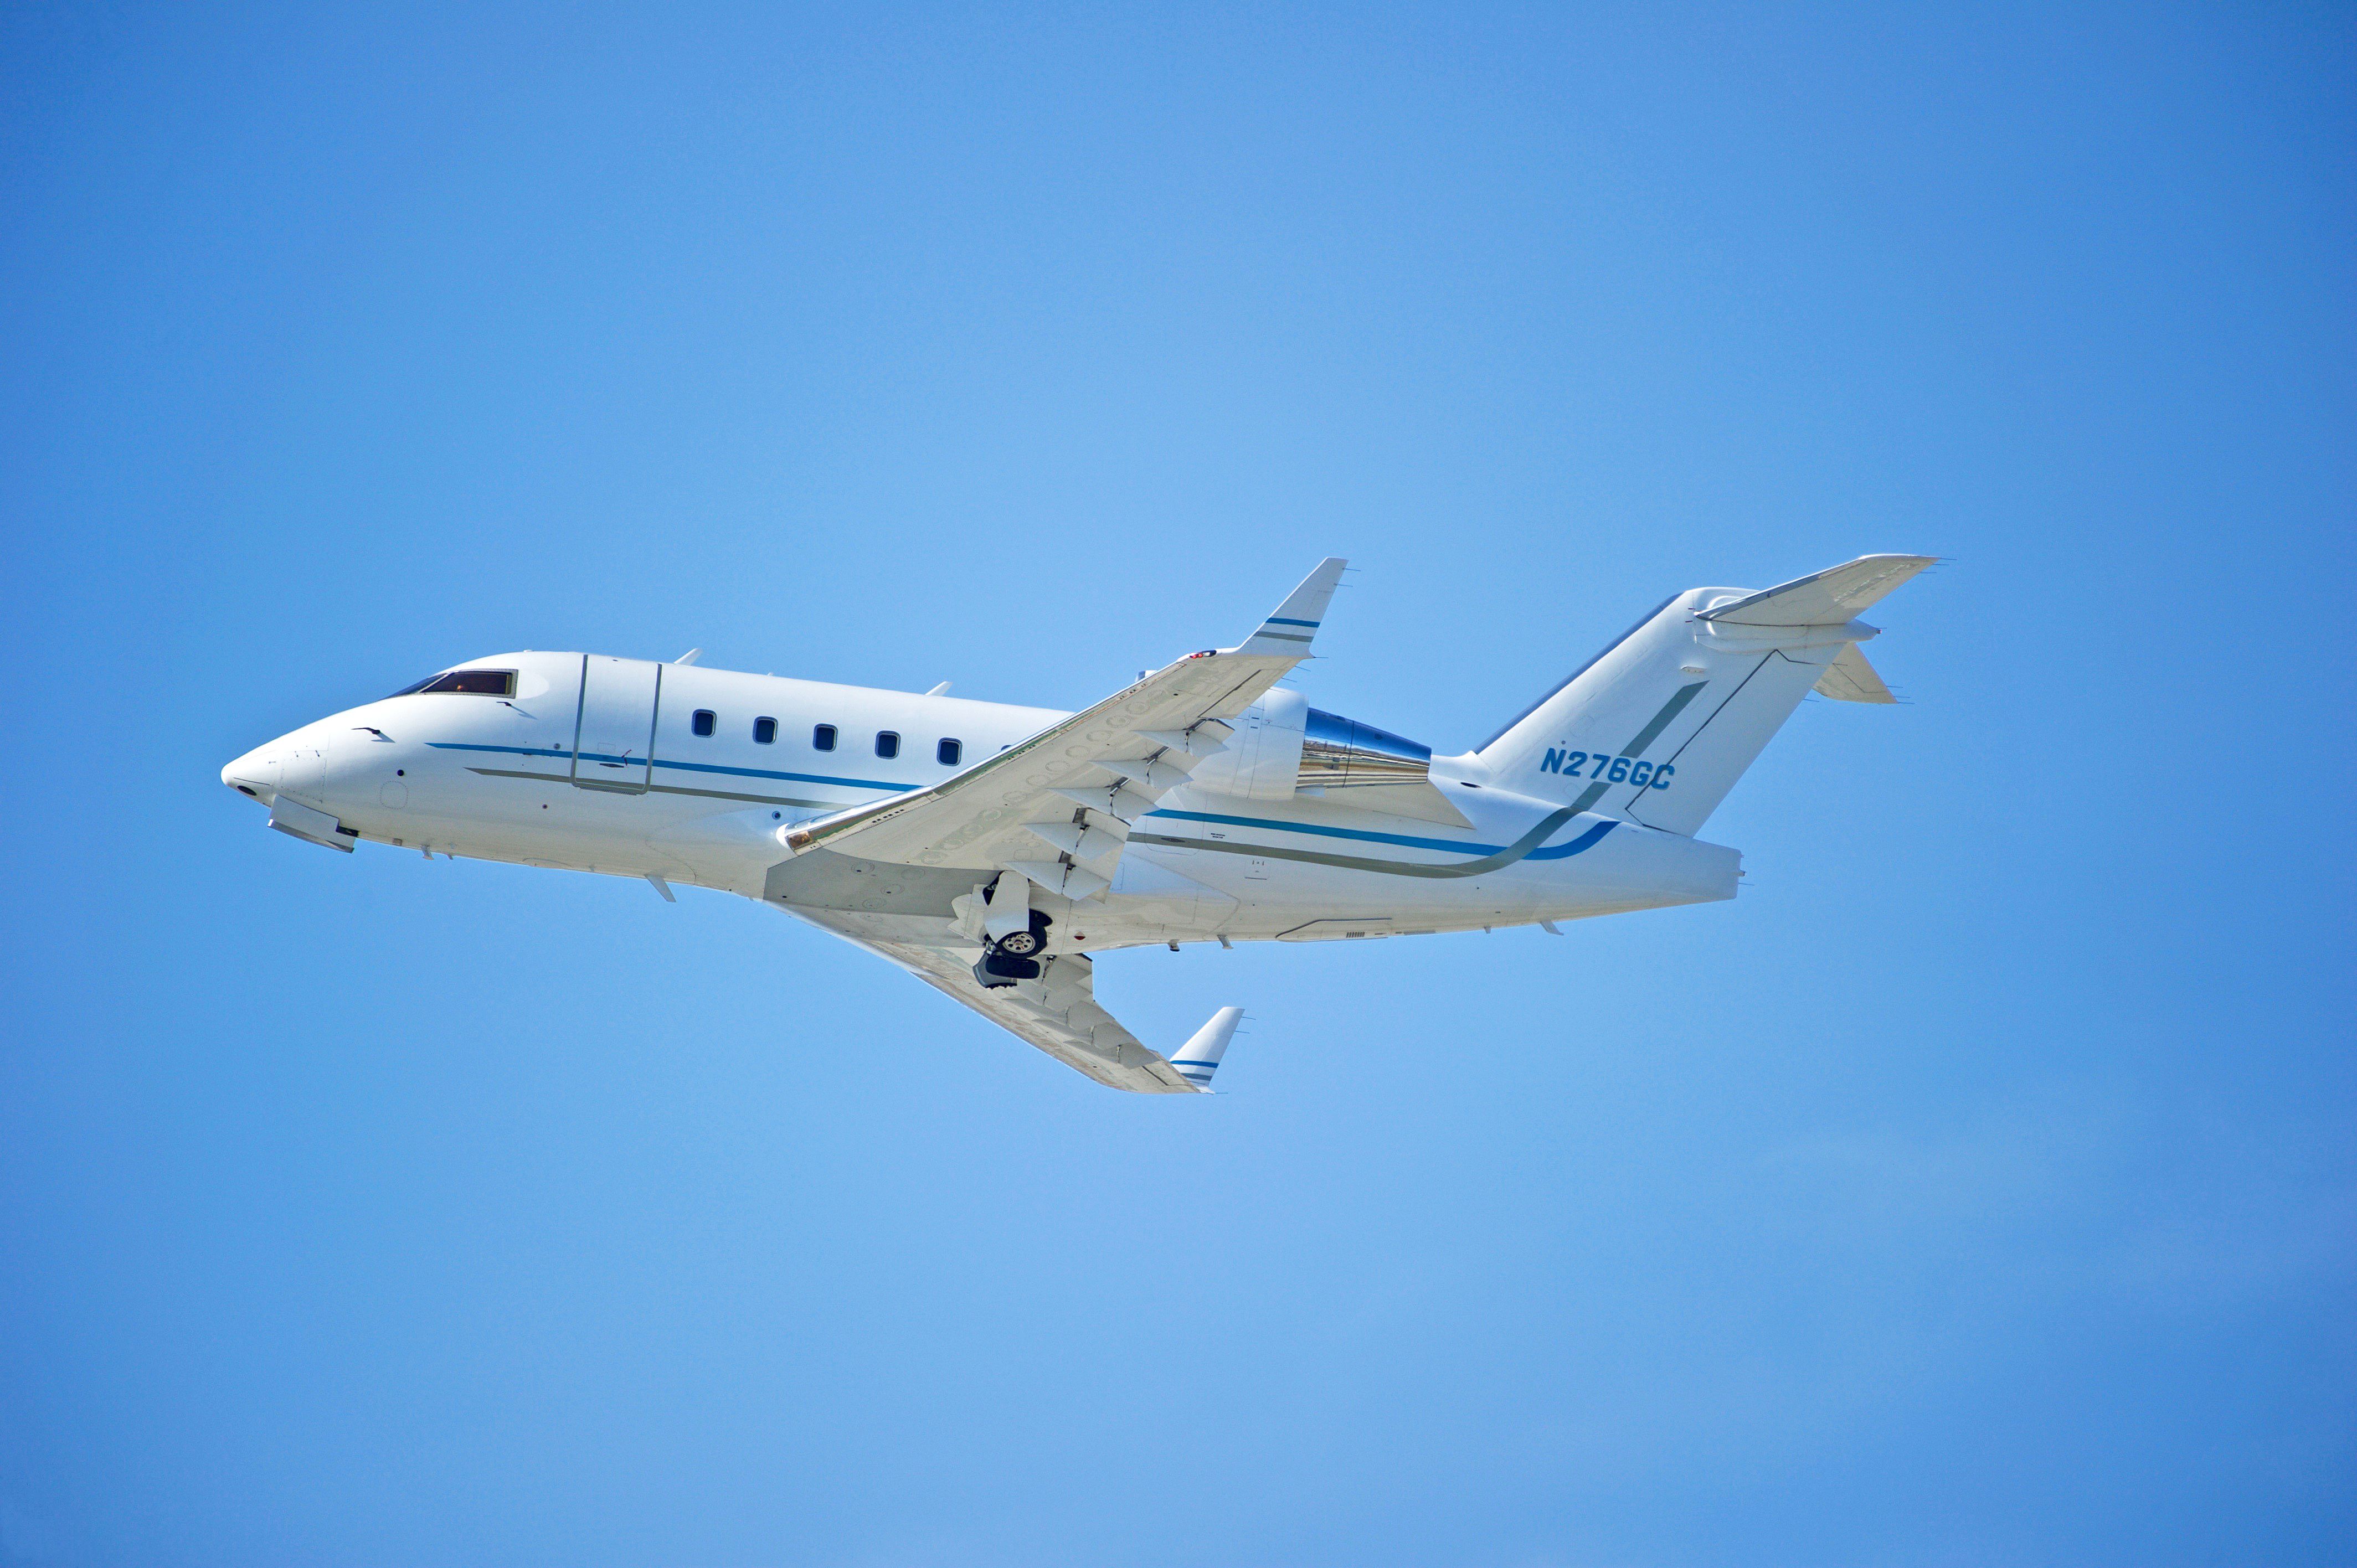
(995, 971)
(1011, 958)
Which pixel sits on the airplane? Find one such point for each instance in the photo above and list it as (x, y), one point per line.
(993, 851)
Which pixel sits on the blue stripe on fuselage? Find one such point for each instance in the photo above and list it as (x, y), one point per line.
(683, 766)
(1584, 840)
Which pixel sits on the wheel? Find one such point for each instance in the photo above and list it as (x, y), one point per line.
(1020, 944)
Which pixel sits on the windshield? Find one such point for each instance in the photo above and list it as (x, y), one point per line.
(466, 682)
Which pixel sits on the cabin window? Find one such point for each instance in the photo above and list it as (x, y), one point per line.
(703, 722)
(948, 752)
(888, 743)
(765, 732)
(466, 682)
(823, 738)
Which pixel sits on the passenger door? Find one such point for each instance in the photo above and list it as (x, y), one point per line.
(614, 727)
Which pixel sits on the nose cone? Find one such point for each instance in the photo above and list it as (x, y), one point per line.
(255, 773)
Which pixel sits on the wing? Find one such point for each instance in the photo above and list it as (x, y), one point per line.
(1057, 808)
(1058, 1014)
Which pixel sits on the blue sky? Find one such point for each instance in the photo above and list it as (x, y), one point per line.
(1977, 1188)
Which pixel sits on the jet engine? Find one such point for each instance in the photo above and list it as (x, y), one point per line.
(1282, 745)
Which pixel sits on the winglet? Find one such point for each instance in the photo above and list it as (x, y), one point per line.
(1290, 626)
(1199, 1058)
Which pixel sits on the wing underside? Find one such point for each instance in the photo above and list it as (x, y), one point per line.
(1058, 1012)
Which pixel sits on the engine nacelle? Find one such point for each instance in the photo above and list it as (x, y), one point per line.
(1263, 759)
(1338, 753)
(1282, 744)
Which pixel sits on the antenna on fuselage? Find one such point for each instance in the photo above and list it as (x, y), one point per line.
(690, 657)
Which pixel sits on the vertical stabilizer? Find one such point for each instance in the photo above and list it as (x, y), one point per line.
(1658, 727)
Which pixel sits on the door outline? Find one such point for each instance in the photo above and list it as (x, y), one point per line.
(580, 712)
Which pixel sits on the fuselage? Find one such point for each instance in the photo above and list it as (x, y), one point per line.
(688, 775)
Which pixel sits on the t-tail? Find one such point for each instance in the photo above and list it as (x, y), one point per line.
(1658, 727)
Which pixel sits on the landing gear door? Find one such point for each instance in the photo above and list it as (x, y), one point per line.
(614, 727)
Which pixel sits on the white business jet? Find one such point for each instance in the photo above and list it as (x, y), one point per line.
(993, 851)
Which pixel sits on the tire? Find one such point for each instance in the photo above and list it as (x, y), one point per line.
(1020, 944)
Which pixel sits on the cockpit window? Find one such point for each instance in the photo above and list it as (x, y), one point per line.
(467, 682)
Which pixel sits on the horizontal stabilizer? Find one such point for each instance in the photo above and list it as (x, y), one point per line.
(1199, 1058)
(1850, 679)
(1831, 598)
